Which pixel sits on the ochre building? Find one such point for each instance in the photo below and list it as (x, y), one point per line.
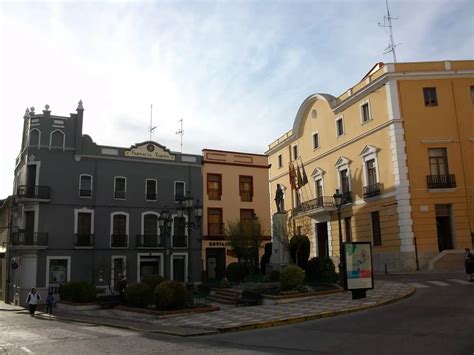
(399, 146)
(235, 188)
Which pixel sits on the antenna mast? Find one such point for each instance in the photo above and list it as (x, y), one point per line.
(181, 133)
(151, 128)
(387, 23)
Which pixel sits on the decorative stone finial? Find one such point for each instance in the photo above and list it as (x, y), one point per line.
(32, 111)
(46, 107)
(27, 113)
(80, 107)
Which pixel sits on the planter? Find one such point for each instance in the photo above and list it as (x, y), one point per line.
(277, 299)
(71, 306)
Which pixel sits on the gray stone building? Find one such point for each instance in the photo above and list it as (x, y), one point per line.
(86, 212)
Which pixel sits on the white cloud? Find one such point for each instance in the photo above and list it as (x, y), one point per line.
(236, 72)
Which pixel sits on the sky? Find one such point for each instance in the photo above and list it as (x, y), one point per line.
(236, 72)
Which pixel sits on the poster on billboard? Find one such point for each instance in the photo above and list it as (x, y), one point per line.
(359, 266)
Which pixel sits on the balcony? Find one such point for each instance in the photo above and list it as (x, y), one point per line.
(84, 240)
(180, 241)
(441, 181)
(150, 196)
(347, 197)
(315, 206)
(23, 238)
(150, 241)
(119, 241)
(372, 190)
(33, 192)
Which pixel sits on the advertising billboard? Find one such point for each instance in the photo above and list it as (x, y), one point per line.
(359, 266)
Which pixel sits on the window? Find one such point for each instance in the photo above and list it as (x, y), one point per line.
(472, 94)
(345, 186)
(365, 112)
(347, 227)
(151, 190)
(280, 161)
(179, 191)
(179, 267)
(85, 186)
(246, 216)
(339, 127)
(214, 186)
(315, 140)
(246, 188)
(120, 188)
(430, 97)
(150, 232)
(214, 222)
(119, 228)
(35, 137)
(150, 225)
(438, 161)
(319, 188)
(376, 235)
(294, 151)
(179, 232)
(371, 172)
(84, 228)
(56, 139)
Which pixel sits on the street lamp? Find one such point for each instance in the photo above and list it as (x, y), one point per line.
(187, 207)
(338, 197)
(164, 223)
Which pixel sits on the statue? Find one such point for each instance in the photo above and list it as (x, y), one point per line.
(279, 199)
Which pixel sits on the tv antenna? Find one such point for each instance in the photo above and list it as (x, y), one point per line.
(387, 23)
(151, 128)
(181, 133)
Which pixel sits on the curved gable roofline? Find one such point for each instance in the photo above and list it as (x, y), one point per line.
(298, 123)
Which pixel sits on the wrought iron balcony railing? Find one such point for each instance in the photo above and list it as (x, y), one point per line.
(84, 240)
(321, 202)
(180, 241)
(372, 190)
(150, 241)
(119, 240)
(347, 197)
(85, 193)
(22, 237)
(441, 181)
(120, 194)
(38, 192)
(151, 196)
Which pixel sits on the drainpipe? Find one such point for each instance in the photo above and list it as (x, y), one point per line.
(416, 255)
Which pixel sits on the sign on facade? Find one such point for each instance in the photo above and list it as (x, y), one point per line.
(151, 151)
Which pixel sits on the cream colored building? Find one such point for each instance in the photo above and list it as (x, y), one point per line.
(399, 145)
(235, 188)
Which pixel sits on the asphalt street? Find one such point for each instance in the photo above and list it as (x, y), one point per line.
(437, 319)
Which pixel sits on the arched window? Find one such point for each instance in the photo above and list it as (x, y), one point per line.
(119, 229)
(57, 139)
(35, 137)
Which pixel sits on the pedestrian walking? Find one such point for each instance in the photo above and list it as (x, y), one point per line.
(32, 300)
(50, 303)
(469, 263)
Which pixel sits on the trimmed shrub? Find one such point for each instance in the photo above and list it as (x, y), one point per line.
(274, 276)
(291, 277)
(321, 269)
(81, 292)
(153, 281)
(236, 272)
(299, 250)
(138, 294)
(170, 295)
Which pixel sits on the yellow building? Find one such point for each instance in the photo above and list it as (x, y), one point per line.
(399, 146)
(235, 188)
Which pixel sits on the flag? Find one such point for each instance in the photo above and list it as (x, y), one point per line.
(299, 177)
(292, 176)
(305, 177)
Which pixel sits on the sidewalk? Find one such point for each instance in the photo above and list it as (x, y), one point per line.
(9, 307)
(242, 318)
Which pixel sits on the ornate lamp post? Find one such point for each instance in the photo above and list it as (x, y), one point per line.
(338, 198)
(188, 206)
(164, 223)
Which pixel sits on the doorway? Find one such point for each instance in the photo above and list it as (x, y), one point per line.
(444, 227)
(149, 265)
(215, 263)
(322, 238)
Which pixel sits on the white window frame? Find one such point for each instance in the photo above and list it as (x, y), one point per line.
(186, 261)
(38, 167)
(343, 126)
(143, 220)
(51, 139)
(80, 185)
(76, 217)
(342, 164)
(293, 157)
(370, 152)
(184, 189)
(316, 133)
(127, 225)
(139, 257)
(112, 259)
(39, 138)
(35, 209)
(280, 161)
(366, 102)
(156, 189)
(59, 257)
(185, 232)
(115, 181)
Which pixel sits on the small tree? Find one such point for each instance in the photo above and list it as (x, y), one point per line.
(245, 238)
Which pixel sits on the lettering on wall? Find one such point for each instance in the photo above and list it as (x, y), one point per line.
(151, 151)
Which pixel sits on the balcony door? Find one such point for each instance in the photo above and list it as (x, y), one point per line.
(438, 161)
(31, 180)
(322, 238)
(29, 227)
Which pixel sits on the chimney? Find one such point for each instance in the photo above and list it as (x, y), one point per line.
(78, 128)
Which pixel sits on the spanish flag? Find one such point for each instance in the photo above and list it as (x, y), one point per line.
(292, 175)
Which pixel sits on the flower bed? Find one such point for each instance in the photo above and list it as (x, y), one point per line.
(161, 314)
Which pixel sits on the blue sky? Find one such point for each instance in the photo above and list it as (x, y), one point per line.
(235, 71)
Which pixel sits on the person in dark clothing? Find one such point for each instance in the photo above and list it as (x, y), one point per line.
(469, 264)
(50, 303)
(32, 301)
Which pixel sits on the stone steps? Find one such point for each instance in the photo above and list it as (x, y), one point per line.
(224, 295)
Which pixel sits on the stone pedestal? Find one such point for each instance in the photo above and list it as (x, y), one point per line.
(280, 255)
